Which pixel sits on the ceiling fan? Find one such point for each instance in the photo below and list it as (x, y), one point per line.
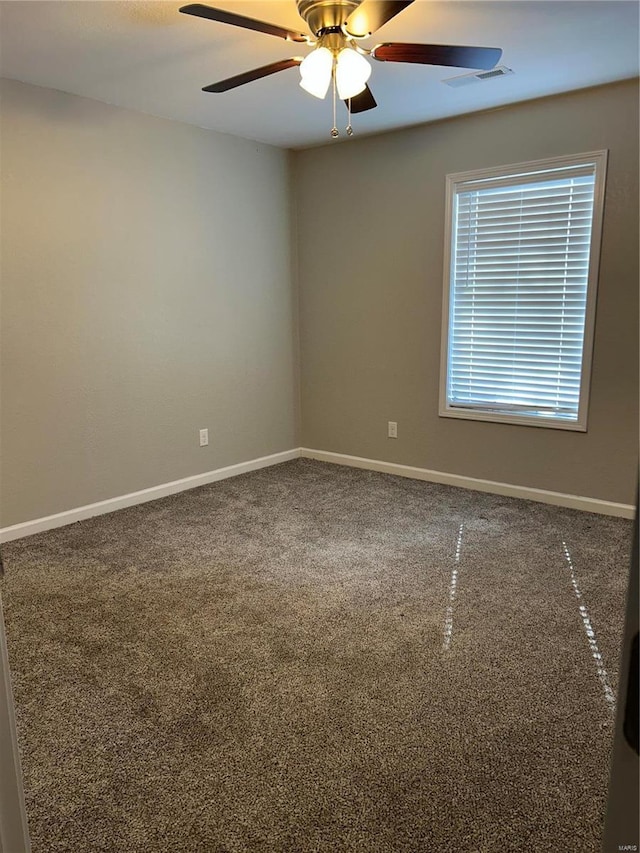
(337, 28)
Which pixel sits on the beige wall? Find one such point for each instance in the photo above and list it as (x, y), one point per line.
(370, 248)
(146, 293)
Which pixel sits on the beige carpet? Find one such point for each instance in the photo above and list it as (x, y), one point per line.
(315, 658)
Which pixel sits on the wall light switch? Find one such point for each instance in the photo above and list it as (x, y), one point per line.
(204, 437)
(393, 429)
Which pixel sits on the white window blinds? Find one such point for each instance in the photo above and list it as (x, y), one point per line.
(518, 292)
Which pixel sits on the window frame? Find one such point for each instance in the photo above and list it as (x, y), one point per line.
(599, 159)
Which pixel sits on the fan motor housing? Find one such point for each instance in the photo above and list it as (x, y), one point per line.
(323, 14)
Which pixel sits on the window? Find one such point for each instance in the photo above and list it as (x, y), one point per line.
(521, 265)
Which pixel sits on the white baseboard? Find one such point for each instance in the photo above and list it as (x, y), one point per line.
(507, 489)
(49, 522)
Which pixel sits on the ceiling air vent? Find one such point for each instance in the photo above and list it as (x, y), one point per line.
(478, 76)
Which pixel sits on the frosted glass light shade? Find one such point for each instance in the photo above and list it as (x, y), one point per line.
(315, 70)
(352, 73)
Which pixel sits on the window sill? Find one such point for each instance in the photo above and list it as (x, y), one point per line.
(516, 420)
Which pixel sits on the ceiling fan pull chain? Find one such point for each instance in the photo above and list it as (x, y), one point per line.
(334, 130)
(349, 128)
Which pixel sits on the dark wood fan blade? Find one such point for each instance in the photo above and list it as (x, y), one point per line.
(372, 14)
(201, 11)
(362, 102)
(255, 74)
(439, 54)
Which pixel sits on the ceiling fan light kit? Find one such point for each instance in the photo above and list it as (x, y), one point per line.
(315, 72)
(352, 72)
(337, 27)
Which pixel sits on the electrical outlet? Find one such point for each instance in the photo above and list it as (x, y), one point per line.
(392, 431)
(204, 437)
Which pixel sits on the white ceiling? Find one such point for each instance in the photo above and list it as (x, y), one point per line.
(146, 56)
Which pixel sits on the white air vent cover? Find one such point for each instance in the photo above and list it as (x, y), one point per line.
(478, 76)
